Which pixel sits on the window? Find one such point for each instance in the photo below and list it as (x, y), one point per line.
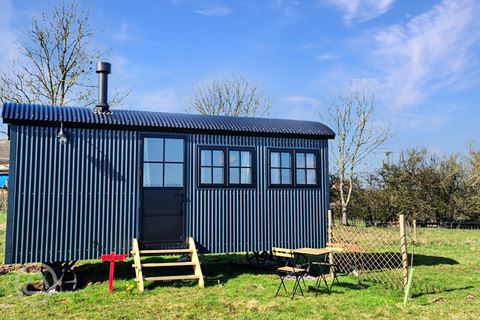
(226, 167)
(212, 166)
(240, 167)
(306, 173)
(162, 162)
(280, 168)
(293, 168)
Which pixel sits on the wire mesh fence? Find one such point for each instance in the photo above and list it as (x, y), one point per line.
(3, 199)
(376, 254)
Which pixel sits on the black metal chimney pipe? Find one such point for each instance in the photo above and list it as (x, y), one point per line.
(103, 70)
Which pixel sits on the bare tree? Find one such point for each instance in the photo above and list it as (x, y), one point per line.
(236, 96)
(56, 64)
(352, 115)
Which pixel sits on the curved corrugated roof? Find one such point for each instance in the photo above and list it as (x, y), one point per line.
(162, 121)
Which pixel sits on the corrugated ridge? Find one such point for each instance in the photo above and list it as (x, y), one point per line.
(160, 120)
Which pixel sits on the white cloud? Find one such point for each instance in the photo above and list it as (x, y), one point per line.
(123, 34)
(299, 108)
(429, 53)
(325, 57)
(160, 100)
(303, 100)
(360, 10)
(214, 11)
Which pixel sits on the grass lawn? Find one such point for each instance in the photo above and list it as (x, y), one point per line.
(446, 280)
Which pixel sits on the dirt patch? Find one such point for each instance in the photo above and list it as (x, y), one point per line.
(9, 268)
(469, 298)
(439, 300)
(254, 287)
(3, 226)
(28, 268)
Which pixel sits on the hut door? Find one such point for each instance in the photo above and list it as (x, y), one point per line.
(163, 191)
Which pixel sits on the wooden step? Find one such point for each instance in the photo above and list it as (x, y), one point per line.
(166, 251)
(167, 264)
(172, 278)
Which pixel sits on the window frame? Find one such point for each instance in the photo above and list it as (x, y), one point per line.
(269, 168)
(141, 163)
(252, 167)
(305, 169)
(226, 167)
(293, 154)
(199, 167)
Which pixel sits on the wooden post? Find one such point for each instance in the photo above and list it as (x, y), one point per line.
(403, 249)
(330, 227)
(414, 230)
(137, 265)
(330, 239)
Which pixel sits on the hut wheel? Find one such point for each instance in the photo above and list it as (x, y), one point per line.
(59, 276)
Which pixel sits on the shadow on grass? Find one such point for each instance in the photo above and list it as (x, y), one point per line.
(385, 260)
(217, 269)
(425, 260)
(426, 291)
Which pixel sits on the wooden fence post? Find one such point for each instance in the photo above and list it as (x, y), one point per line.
(330, 227)
(414, 230)
(403, 249)
(330, 238)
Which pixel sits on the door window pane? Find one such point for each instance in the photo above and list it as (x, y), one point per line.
(153, 175)
(206, 175)
(173, 175)
(174, 150)
(153, 149)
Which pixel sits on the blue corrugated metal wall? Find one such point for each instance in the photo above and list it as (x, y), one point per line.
(79, 200)
(233, 220)
(67, 202)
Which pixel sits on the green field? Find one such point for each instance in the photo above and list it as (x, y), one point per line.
(447, 286)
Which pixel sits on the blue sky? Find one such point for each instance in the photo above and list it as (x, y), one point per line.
(421, 56)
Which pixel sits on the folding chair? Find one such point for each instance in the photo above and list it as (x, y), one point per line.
(331, 268)
(291, 268)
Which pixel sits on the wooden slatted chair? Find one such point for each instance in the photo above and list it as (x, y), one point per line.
(291, 268)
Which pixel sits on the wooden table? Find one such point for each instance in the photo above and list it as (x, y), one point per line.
(317, 251)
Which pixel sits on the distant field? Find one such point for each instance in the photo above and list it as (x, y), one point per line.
(446, 279)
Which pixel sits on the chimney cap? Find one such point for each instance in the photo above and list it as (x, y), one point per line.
(104, 67)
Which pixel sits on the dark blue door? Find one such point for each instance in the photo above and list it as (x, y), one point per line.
(163, 191)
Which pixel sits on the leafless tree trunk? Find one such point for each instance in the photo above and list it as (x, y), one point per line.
(236, 96)
(57, 61)
(353, 114)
